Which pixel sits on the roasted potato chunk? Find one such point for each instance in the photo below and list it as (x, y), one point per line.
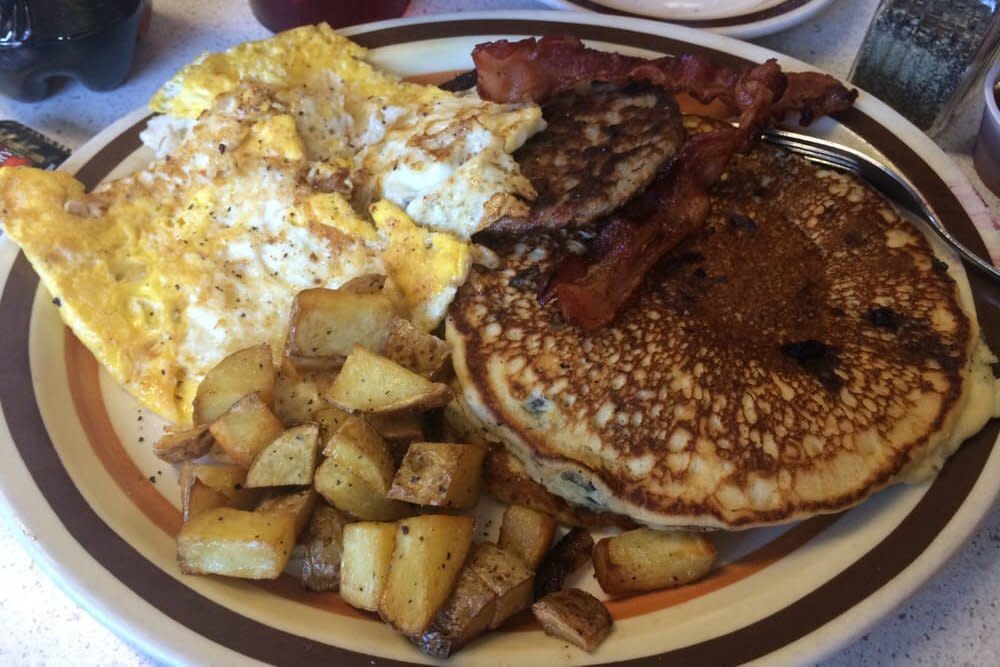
(326, 323)
(647, 560)
(569, 555)
(330, 419)
(234, 543)
(417, 350)
(297, 396)
(371, 383)
(289, 460)
(465, 616)
(324, 546)
(299, 505)
(574, 615)
(506, 576)
(403, 426)
(427, 557)
(359, 449)
(527, 534)
(353, 494)
(439, 474)
(206, 486)
(180, 446)
(364, 566)
(369, 283)
(245, 429)
(245, 372)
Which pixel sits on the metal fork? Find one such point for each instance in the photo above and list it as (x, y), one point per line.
(882, 178)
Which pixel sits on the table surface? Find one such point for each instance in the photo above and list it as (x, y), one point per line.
(953, 620)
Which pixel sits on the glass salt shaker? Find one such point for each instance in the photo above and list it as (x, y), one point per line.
(923, 56)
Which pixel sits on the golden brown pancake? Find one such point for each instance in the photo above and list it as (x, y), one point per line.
(806, 350)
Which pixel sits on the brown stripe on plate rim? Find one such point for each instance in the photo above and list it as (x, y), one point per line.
(230, 629)
(721, 22)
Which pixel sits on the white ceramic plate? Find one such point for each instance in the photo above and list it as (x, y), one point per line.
(81, 487)
(735, 18)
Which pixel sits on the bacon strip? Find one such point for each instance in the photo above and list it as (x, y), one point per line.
(676, 203)
(536, 69)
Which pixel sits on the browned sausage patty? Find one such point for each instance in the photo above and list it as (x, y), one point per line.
(602, 146)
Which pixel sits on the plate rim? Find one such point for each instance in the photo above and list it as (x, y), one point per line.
(91, 597)
(743, 26)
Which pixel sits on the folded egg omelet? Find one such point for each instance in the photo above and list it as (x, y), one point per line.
(283, 165)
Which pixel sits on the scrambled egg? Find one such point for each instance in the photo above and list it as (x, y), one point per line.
(165, 272)
(427, 268)
(282, 165)
(444, 158)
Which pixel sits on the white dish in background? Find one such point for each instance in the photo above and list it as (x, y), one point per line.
(735, 18)
(97, 510)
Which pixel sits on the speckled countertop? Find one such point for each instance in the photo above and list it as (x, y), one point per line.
(953, 620)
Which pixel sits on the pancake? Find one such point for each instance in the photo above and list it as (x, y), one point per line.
(603, 145)
(804, 351)
(506, 480)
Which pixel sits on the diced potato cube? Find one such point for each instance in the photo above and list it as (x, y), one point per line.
(440, 474)
(364, 567)
(245, 429)
(322, 366)
(567, 556)
(359, 449)
(326, 323)
(198, 498)
(369, 283)
(234, 543)
(205, 487)
(527, 534)
(647, 560)
(297, 396)
(290, 459)
(299, 505)
(415, 349)
(465, 616)
(401, 426)
(369, 382)
(324, 546)
(574, 615)
(426, 560)
(330, 419)
(351, 493)
(245, 372)
(179, 446)
(507, 577)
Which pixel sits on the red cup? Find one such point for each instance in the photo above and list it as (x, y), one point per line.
(278, 15)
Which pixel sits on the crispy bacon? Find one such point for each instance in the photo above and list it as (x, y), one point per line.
(536, 69)
(675, 205)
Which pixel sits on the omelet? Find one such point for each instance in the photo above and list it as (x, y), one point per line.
(444, 158)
